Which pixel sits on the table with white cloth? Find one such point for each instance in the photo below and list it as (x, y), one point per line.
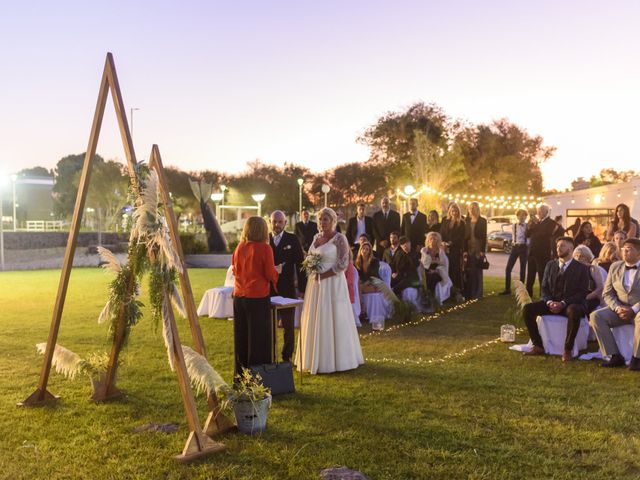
(217, 303)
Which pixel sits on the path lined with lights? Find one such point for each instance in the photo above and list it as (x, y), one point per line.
(431, 361)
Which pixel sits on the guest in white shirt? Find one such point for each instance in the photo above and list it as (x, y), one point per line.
(622, 296)
(519, 246)
(358, 226)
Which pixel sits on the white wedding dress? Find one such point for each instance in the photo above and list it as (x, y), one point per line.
(329, 339)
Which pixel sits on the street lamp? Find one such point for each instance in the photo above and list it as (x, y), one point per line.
(3, 181)
(409, 190)
(300, 182)
(133, 109)
(216, 197)
(223, 189)
(325, 190)
(258, 198)
(14, 177)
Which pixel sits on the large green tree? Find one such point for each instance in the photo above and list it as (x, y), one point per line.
(502, 157)
(107, 194)
(66, 188)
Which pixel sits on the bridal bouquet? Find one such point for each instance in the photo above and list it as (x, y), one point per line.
(312, 263)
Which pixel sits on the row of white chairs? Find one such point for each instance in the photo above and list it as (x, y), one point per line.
(553, 330)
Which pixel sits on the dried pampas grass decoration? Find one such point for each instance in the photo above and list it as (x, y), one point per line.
(176, 300)
(105, 313)
(167, 332)
(64, 361)
(110, 261)
(202, 375)
(521, 294)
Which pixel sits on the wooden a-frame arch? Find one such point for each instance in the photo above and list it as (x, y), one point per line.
(198, 443)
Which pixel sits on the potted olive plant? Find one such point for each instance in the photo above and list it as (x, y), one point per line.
(250, 401)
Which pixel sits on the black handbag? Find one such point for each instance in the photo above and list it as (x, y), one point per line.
(485, 263)
(277, 376)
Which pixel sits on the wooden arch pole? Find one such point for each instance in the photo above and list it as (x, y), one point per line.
(41, 394)
(216, 421)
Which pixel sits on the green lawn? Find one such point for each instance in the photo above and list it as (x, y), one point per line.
(490, 414)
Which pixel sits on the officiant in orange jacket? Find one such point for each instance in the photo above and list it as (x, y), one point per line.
(288, 253)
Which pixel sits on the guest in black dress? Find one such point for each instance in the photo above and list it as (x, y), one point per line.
(433, 222)
(476, 246)
(453, 233)
(588, 238)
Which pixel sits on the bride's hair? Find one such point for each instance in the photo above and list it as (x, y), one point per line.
(331, 213)
(255, 230)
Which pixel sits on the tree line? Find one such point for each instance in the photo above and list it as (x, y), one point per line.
(419, 145)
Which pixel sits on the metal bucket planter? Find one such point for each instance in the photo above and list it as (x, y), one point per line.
(251, 417)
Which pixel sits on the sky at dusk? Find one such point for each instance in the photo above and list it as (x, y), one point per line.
(219, 84)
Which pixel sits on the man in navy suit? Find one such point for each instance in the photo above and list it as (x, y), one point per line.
(414, 225)
(288, 252)
(385, 221)
(565, 286)
(357, 226)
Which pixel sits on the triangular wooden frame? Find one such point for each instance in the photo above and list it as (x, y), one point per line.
(198, 443)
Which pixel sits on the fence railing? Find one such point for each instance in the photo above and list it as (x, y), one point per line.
(44, 225)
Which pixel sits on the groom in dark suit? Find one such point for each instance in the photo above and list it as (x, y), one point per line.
(288, 252)
(565, 286)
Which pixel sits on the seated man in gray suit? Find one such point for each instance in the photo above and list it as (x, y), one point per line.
(622, 296)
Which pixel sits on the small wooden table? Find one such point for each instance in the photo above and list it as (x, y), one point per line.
(278, 304)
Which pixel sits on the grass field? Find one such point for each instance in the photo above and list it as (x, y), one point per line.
(488, 414)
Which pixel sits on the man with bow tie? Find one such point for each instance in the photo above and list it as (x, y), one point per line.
(414, 225)
(622, 295)
(519, 250)
(288, 252)
(564, 288)
(305, 230)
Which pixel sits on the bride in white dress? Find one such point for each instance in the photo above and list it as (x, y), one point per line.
(329, 339)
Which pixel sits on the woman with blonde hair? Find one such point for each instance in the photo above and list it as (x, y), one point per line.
(254, 273)
(453, 231)
(584, 255)
(434, 261)
(329, 339)
(608, 255)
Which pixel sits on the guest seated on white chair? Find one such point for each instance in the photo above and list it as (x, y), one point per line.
(368, 267)
(564, 289)
(608, 255)
(622, 296)
(436, 267)
(583, 254)
(404, 268)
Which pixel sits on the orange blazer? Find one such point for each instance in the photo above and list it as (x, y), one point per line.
(253, 269)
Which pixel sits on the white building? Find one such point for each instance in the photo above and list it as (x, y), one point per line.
(597, 205)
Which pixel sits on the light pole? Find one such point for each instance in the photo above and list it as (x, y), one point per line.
(132, 110)
(408, 191)
(300, 182)
(325, 190)
(14, 177)
(3, 181)
(216, 197)
(223, 189)
(258, 198)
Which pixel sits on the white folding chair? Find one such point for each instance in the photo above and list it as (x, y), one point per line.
(553, 330)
